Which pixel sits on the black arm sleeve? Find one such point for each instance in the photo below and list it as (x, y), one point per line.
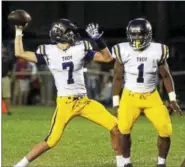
(40, 59)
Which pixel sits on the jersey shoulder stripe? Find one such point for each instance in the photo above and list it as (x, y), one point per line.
(117, 52)
(165, 53)
(89, 53)
(41, 52)
(87, 45)
(42, 49)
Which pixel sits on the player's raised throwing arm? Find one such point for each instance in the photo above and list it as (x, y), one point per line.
(19, 49)
(104, 54)
(169, 85)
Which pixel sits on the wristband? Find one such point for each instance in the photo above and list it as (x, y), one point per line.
(115, 100)
(18, 32)
(100, 44)
(172, 96)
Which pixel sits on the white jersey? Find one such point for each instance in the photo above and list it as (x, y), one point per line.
(67, 66)
(140, 67)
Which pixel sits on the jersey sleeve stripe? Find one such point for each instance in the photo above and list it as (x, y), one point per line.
(117, 52)
(164, 53)
(86, 44)
(42, 49)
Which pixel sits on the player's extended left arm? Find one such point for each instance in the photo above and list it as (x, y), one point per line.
(169, 85)
(103, 55)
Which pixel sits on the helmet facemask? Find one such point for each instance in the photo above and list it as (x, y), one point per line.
(59, 33)
(68, 37)
(139, 33)
(139, 40)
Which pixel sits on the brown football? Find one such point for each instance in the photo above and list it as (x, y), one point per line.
(19, 17)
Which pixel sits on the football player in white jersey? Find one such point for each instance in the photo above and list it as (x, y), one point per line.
(138, 63)
(65, 59)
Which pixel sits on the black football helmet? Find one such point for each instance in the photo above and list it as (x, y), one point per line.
(63, 31)
(139, 33)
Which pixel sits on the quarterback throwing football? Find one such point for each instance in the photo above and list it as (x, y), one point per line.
(65, 59)
(138, 62)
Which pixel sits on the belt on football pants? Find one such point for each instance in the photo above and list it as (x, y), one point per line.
(74, 97)
(142, 95)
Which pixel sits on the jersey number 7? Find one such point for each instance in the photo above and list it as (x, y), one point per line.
(70, 72)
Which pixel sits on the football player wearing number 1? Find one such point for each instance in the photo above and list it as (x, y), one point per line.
(138, 62)
(65, 60)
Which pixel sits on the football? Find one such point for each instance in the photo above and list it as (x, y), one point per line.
(19, 17)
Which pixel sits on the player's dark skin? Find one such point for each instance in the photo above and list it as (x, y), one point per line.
(166, 102)
(169, 86)
(163, 142)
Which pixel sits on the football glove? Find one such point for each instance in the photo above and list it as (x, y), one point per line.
(93, 31)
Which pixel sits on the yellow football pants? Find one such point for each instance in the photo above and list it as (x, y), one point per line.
(132, 104)
(68, 107)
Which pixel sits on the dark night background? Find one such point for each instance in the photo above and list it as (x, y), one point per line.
(167, 19)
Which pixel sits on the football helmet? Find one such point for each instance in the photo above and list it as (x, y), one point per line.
(63, 31)
(139, 33)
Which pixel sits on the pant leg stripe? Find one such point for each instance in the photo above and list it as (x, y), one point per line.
(53, 124)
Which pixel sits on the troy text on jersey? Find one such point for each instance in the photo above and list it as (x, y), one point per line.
(66, 58)
(141, 59)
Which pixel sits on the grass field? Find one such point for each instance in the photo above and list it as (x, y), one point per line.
(84, 144)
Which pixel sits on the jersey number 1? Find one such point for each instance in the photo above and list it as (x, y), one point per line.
(140, 78)
(70, 72)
